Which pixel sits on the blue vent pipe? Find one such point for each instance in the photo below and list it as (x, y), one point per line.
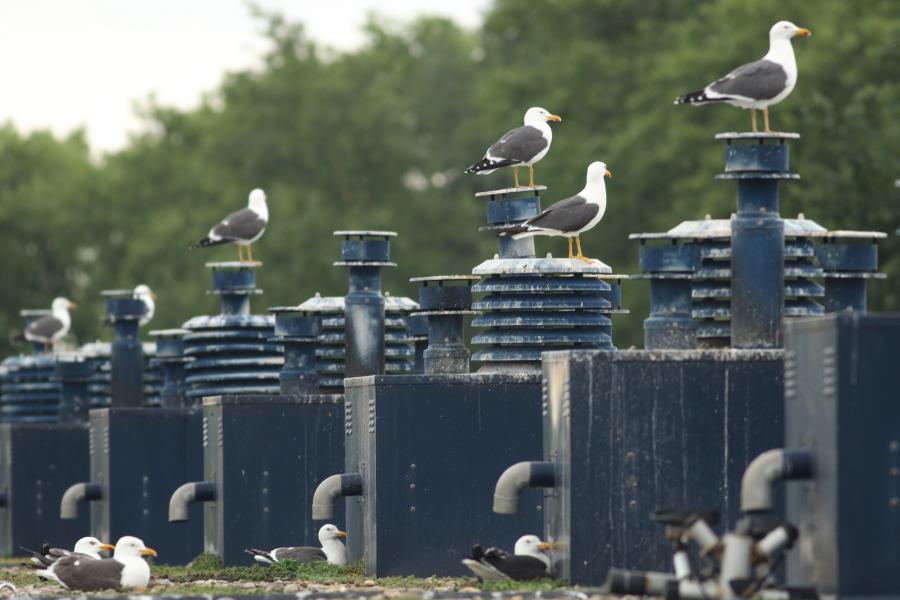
(73, 372)
(171, 361)
(365, 253)
(297, 330)
(123, 312)
(758, 162)
(445, 303)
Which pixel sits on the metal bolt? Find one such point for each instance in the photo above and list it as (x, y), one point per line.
(895, 502)
(412, 487)
(412, 467)
(632, 505)
(894, 445)
(412, 509)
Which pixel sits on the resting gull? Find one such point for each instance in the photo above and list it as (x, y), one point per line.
(88, 547)
(146, 295)
(572, 216)
(529, 561)
(126, 569)
(53, 327)
(520, 146)
(242, 227)
(757, 85)
(332, 550)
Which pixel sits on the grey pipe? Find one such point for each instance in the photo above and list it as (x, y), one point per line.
(332, 488)
(518, 477)
(2, 498)
(765, 470)
(187, 494)
(702, 534)
(89, 492)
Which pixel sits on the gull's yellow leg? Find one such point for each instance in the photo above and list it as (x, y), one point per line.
(240, 252)
(766, 119)
(568, 239)
(516, 176)
(580, 254)
(753, 119)
(531, 175)
(250, 253)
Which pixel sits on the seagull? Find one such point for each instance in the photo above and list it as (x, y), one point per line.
(520, 146)
(146, 295)
(332, 550)
(572, 216)
(126, 569)
(761, 84)
(53, 327)
(88, 547)
(529, 561)
(242, 227)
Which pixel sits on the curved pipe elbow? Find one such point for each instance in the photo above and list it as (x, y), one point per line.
(518, 477)
(89, 492)
(187, 494)
(766, 469)
(332, 488)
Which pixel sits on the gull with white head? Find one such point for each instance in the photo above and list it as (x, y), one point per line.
(332, 550)
(242, 227)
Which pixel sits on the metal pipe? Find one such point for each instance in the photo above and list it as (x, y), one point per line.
(518, 477)
(444, 302)
(73, 373)
(297, 330)
(736, 562)
(171, 360)
(123, 312)
(332, 488)
(778, 539)
(765, 470)
(89, 492)
(3, 498)
(702, 534)
(187, 494)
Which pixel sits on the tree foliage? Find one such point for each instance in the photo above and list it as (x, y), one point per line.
(378, 139)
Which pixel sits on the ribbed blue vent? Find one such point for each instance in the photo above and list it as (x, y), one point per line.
(100, 379)
(152, 376)
(398, 343)
(31, 393)
(230, 351)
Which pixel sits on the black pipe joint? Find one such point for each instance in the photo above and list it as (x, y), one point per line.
(297, 330)
(445, 304)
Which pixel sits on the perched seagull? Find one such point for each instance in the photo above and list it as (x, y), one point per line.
(520, 146)
(573, 216)
(53, 327)
(332, 550)
(242, 227)
(146, 295)
(88, 547)
(126, 569)
(529, 561)
(757, 85)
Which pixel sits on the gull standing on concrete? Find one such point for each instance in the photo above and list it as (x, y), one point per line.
(332, 550)
(146, 295)
(529, 561)
(757, 85)
(241, 228)
(522, 146)
(572, 216)
(126, 569)
(53, 327)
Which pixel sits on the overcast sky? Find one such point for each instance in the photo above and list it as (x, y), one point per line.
(67, 63)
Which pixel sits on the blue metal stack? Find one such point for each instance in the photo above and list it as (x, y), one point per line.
(531, 304)
(97, 355)
(30, 393)
(231, 351)
(849, 259)
(170, 362)
(153, 377)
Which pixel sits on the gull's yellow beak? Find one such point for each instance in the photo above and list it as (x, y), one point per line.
(153, 295)
(554, 118)
(608, 174)
(545, 546)
(341, 534)
(148, 552)
(72, 306)
(109, 547)
(803, 31)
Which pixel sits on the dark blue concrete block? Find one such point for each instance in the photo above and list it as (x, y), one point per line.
(429, 449)
(841, 382)
(265, 455)
(38, 462)
(138, 456)
(633, 431)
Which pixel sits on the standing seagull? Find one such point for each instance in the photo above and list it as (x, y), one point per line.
(573, 216)
(529, 561)
(53, 327)
(242, 227)
(520, 146)
(761, 84)
(332, 550)
(126, 569)
(146, 295)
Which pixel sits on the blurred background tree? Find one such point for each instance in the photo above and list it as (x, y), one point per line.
(378, 139)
